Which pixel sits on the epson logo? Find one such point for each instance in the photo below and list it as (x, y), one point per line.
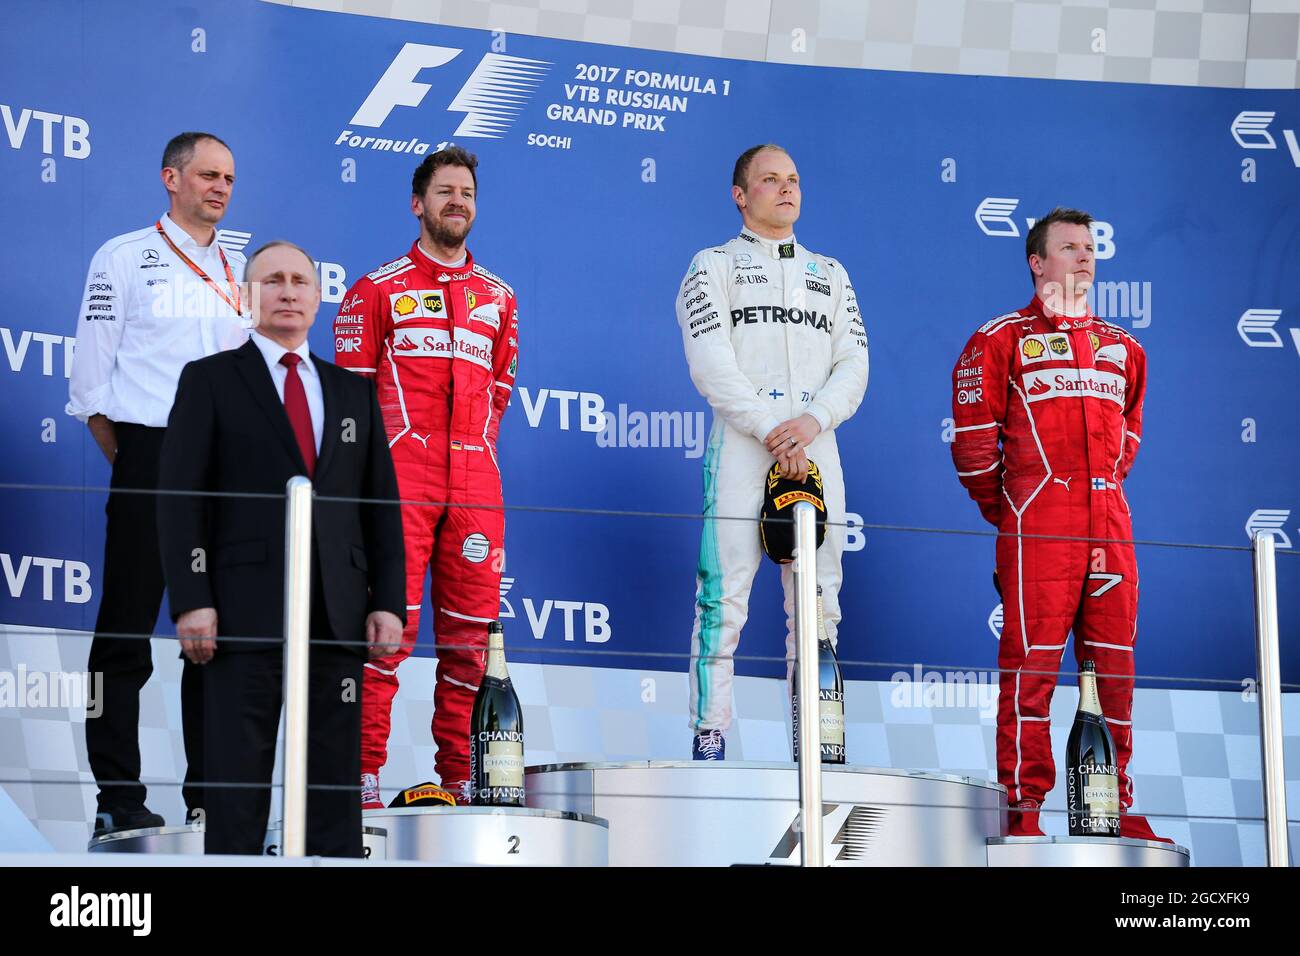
(491, 99)
(1250, 130)
(993, 216)
(1270, 520)
(1256, 329)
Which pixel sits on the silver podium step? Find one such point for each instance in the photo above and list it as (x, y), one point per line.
(182, 841)
(493, 836)
(1085, 851)
(188, 841)
(697, 813)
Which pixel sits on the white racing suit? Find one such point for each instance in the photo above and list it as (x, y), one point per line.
(768, 337)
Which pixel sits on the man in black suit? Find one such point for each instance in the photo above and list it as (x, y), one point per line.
(246, 421)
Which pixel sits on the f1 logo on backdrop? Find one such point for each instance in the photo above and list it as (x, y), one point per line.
(493, 96)
(1256, 328)
(1250, 130)
(993, 216)
(1270, 519)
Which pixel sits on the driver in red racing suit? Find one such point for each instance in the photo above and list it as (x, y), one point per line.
(438, 333)
(1048, 409)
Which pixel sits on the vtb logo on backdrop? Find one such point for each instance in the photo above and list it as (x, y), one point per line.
(1256, 329)
(76, 131)
(993, 216)
(1270, 520)
(491, 99)
(333, 278)
(1250, 130)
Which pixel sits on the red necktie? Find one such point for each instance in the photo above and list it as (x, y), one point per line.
(295, 405)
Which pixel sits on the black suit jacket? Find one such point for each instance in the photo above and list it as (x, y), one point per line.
(229, 432)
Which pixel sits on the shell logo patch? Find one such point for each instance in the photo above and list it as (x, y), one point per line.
(1032, 348)
(405, 305)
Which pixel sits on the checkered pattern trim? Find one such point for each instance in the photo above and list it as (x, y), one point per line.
(1196, 753)
(1222, 43)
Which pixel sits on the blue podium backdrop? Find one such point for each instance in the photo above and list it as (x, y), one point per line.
(603, 170)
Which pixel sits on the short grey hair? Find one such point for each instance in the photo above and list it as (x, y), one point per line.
(248, 265)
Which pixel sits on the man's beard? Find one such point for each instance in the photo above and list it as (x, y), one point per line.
(446, 235)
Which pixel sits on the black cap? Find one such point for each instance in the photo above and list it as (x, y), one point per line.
(425, 794)
(776, 530)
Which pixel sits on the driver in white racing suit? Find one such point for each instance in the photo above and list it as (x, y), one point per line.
(776, 345)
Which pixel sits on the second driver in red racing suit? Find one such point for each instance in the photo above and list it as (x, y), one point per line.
(440, 338)
(1047, 402)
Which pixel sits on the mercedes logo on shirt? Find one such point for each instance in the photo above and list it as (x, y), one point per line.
(150, 255)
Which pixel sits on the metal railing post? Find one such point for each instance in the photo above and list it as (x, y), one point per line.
(297, 650)
(1269, 690)
(810, 750)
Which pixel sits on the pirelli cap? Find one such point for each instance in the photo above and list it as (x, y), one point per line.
(776, 530)
(423, 795)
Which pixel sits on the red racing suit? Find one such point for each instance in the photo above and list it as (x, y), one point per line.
(1062, 397)
(441, 344)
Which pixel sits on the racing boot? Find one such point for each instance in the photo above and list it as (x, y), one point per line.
(710, 745)
(370, 792)
(1024, 819)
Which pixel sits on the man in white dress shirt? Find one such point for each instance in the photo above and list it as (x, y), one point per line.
(155, 299)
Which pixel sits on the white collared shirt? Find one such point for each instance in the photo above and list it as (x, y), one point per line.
(144, 315)
(273, 351)
(446, 265)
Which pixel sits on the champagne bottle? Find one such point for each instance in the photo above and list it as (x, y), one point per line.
(1092, 779)
(496, 752)
(830, 690)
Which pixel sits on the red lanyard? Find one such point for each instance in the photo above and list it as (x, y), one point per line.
(233, 299)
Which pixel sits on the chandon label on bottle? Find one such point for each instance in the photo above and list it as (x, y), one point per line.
(504, 764)
(830, 730)
(1100, 792)
(831, 706)
(502, 756)
(1094, 790)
